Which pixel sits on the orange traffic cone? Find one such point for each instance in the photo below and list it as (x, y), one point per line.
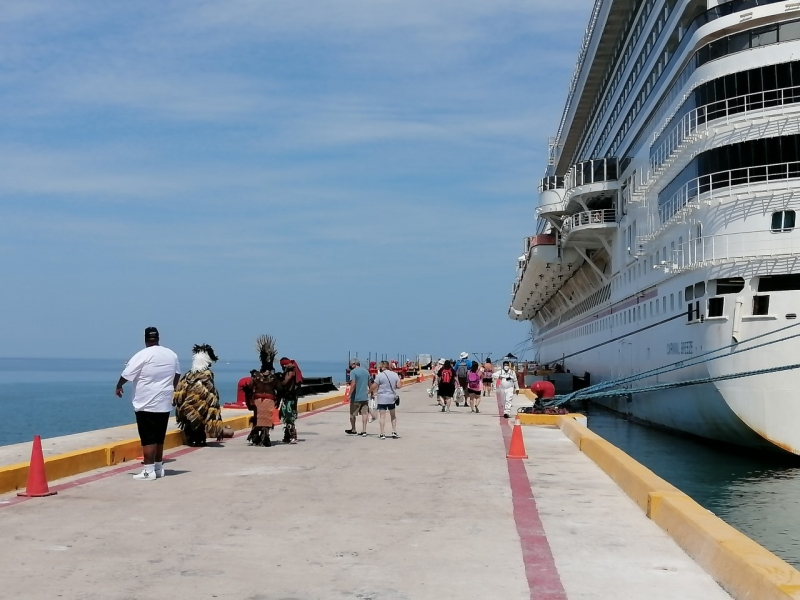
(517, 447)
(347, 393)
(37, 478)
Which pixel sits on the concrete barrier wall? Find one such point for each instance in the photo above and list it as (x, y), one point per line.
(15, 477)
(747, 570)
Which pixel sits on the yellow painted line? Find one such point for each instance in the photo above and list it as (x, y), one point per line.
(741, 566)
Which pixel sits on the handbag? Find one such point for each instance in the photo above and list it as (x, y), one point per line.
(391, 387)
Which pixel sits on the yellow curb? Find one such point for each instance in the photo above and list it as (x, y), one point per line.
(741, 566)
(529, 419)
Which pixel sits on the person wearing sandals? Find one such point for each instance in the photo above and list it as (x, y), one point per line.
(359, 397)
(473, 391)
(385, 389)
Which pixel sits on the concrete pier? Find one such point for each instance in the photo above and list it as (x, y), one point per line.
(439, 513)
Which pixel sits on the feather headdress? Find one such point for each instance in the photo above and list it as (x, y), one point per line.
(265, 345)
(203, 356)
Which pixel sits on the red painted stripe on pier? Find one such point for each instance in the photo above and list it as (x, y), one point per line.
(544, 581)
(126, 468)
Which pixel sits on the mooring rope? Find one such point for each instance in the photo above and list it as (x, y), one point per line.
(596, 391)
(559, 400)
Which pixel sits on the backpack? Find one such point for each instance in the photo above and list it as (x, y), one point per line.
(474, 380)
(446, 375)
(462, 369)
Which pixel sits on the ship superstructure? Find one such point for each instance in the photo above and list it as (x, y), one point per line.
(666, 224)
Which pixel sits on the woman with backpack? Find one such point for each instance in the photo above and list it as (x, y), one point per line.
(473, 390)
(488, 370)
(446, 383)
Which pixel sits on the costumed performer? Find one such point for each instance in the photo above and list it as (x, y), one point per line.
(196, 399)
(291, 380)
(264, 393)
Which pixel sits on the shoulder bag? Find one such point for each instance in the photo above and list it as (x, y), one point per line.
(394, 391)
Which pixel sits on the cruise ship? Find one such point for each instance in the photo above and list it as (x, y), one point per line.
(666, 225)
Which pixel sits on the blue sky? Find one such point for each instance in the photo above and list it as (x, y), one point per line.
(345, 175)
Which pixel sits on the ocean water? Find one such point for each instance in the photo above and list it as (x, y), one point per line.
(759, 494)
(53, 397)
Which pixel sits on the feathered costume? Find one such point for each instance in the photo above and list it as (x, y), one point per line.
(263, 393)
(196, 399)
(291, 380)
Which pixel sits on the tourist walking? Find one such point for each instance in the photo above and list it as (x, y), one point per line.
(196, 400)
(462, 369)
(446, 384)
(506, 385)
(488, 371)
(432, 391)
(385, 388)
(474, 383)
(359, 397)
(291, 379)
(155, 372)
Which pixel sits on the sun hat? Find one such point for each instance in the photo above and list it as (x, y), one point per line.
(464, 355)
(441, 361)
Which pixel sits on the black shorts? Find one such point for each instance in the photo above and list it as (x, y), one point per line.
(463, 382)
(475, 393)
(386, 406)
(487, 382)
(152, 427)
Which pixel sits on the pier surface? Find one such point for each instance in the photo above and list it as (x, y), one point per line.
(439, 513)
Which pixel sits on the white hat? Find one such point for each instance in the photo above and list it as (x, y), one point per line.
(441, 361)
(464, 355)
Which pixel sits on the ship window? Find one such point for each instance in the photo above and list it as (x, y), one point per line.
(783, 220)
(680, 298)
(689, 293)
(699, 289)
(658, 257)
(672, 301)
(664, 304)
(731, 285)
(779, 283)
(760, 305)
(790, 31)
(715, 307)
(764, 36)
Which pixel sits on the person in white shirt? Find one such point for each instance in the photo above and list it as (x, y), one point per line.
(155, 372)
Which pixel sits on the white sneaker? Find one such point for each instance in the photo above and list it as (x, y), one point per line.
(145, 475)
(160, 474)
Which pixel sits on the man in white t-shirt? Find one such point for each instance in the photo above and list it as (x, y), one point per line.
(155, 372)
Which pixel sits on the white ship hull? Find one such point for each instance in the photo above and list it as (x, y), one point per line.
(667, 219)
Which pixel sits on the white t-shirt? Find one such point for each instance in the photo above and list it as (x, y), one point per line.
(152, 371)
(387, 385)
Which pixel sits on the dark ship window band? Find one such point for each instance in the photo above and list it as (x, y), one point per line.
(774, 158)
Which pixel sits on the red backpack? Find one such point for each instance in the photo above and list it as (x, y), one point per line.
(446, 375)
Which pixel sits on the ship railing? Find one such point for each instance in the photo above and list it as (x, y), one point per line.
(590, 217)
(551, 182)
(707, 187)
(699, 120)
(596, 170)
(731, 247)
